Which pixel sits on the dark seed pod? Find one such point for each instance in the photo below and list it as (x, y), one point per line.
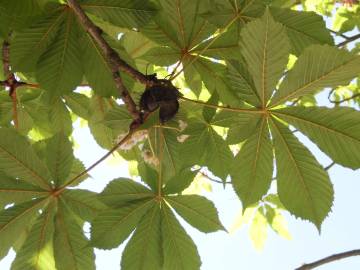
(161, 94)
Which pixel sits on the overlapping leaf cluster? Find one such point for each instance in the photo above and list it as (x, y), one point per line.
(236, 53)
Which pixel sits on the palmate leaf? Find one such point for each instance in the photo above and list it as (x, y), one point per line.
(59, 69)
(302, 28)
(223, 12)
(126, 13)
(121, 191)
(205, 147)
(15, 220)
(111, 227)
(318, 67)
(167, 150)
(37, 250)
(178, 24)
(336, 131)
(180, 252)
(214, 77)
(180, 182)
(225, 46)
(71, 248)
(242, 83)
(15, 191)
(84, 203)
(241, 125)
(78, 104)
(303, 185)
(16, 15)
(265, 47)
(118, 119)
(29, 44)
(59, 117)
(253, 166)
(18, 159)
(197, 211)
(162, 56)
(144, 250)
(59, 158)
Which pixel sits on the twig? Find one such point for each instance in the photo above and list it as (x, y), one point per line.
(114, 61)
(112, 150)
(223, 107)
(348, 40)
(328, 167)
(345, 99)
(332, 258)
(214, 180)
(338, 34)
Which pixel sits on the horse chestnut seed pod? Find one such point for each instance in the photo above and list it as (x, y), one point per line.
(162, 94)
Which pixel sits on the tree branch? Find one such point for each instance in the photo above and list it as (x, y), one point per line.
(329, 259)
(114, 61)
(348, 40)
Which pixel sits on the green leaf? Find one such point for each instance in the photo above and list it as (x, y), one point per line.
(19, 160)
(318, 67)
(178, 24)
(303, 186)
(198, 211)
(205, 147)
(77, 168)
(103, 135)
(83, 203)
(302, 28)
(180, 182)
(37, 250)
(15, 220)
(59, 117)
(266, 48)
(113, 226)
(166, 148)
(253, 167)
(78, 104)
(29, 44)
(118, 119)
(15, 191)
(241, 125)
(258, 230)
(213, 76)
(123, 191)
(21, 7)
(71, 247)
(225, 46)
(144, 250)
(96, 68)
(162, 56)
(59, 158)
(336, 131)
(242, 83)
(126, 13)
(59, 69)
(180, 252)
